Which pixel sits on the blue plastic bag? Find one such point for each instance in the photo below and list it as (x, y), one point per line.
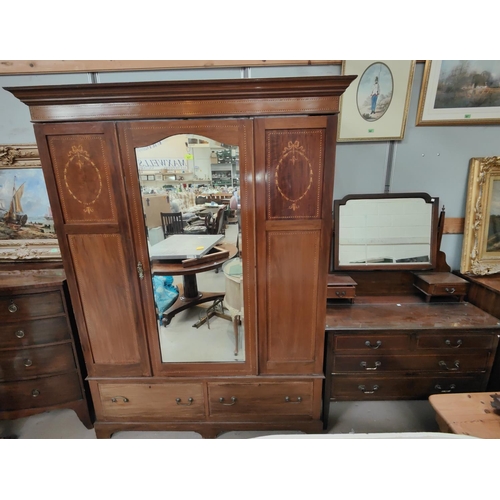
(165, 293)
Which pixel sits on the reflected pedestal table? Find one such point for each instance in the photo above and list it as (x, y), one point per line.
(189, 295)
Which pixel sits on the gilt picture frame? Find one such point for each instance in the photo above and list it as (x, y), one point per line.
(375, 106)
(459, 93)
(481, 243)
(26, 223)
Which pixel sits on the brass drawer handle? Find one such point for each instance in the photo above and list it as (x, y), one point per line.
(35, 393)
(362, 388)
(363, 364)
(28, 362)
(376, 346)
(458, 344)
(439, 388)
(116, 398)
(449, 290)
(233, 401)
(19, 334)
(189, 403)
(288, 400)
(456, 365)
(340, 294)
(12, 307)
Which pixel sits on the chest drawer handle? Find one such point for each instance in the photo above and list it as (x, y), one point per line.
(340, 294)
(456, 366)
(449, 290)
(363, 365)
(376, 346)
(233, 401)
(439, 388)
(19, 334)
(27, 362)
(362, 388)
(458, 344)
(35, 393)
(12, 307)
(288, 400)
(116, 398)
(189, 403)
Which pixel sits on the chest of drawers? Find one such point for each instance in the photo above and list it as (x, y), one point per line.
(39, 365)
(407, 351)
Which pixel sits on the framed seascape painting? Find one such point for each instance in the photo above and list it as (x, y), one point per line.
(375, 106)
(26, 222)
(460, 93)
(481, 244)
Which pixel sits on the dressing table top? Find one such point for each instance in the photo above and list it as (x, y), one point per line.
(396, 314)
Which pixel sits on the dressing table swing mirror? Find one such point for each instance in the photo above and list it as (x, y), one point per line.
(407, 332)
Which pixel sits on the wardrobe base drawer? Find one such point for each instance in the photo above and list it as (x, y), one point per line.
(38, 393)
(149, 401)
(348, 388)
(264, 400)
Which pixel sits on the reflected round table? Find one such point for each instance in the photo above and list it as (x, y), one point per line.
(189, 295)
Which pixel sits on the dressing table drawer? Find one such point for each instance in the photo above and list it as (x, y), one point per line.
(40, 393)
(366, 388)
(148, 401)
(30, 333)
(36, 361)
(263, 400)
(454, 341)
(459, 363)
(367, 341)
(21, 307)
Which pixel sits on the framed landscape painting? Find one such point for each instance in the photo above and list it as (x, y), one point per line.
(460, 93)
(375, 106)
(481, 244)
(26, 222)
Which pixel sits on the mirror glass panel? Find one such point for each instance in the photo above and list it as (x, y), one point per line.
(191, 204)
(385, 231)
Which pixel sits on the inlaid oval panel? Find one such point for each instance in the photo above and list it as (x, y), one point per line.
(294, 171)
(82, 166)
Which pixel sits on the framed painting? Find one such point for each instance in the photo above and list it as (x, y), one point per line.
(460, 93)
(26, 222)
(375, 106)
(481, 245)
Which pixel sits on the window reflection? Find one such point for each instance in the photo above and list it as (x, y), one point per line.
(191, 202)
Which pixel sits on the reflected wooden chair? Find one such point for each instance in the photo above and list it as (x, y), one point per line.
(171, 223)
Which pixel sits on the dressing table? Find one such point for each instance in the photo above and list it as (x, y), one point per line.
(395, 341)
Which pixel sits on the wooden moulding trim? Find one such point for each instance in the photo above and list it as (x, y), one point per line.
(454, 225)
(43, 67)
(197, 90)
(189, 109)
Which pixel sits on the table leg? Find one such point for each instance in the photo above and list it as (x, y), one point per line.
(190, 287)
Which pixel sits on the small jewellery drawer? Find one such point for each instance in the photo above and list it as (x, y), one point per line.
(460, 289)
(162, 402)
(455, 341)
(372, 342)
(36, 361)
(261, 400)
(21, 307)
(436, 362)
(340, 292)
(28, 333)
(42, 392)
(385, 388)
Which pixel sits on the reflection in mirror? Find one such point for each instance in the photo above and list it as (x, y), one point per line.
(191, 203)
(384, 231)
